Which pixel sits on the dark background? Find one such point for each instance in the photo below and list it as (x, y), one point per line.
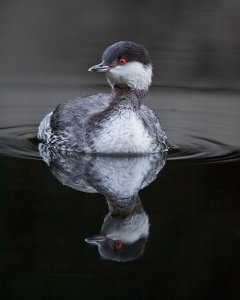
(192, 43)
(193, 252)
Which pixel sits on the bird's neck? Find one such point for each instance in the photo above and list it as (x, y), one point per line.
(123, 94)
(123, 207)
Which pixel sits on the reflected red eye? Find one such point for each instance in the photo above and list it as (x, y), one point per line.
(118, 245)
(122, 61)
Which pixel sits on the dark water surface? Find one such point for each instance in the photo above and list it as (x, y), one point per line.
(193, 247)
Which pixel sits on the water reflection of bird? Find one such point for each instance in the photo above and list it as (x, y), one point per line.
(115, 123)
(125, 229)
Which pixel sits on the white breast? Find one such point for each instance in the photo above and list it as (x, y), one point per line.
(125, 133)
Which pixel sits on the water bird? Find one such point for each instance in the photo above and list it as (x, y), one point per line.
(124, 233)
(110, 123)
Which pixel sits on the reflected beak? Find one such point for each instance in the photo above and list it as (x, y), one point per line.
(99, 68)
(95, 240)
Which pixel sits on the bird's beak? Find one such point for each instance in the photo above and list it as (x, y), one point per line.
(97, 239)
(99, 68)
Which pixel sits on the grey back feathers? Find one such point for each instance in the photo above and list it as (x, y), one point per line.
(110, 123)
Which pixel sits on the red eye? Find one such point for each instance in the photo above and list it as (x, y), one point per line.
(122, 61)
(118, 245)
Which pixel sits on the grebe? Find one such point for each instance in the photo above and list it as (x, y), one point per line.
(110, 123)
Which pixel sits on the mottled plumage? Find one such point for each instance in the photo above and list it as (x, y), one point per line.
(114, 123)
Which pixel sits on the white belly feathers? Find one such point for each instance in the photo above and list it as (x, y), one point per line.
(125, 133)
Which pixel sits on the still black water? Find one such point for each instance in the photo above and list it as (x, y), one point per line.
(191, 209)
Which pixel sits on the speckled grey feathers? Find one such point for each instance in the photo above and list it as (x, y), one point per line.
(114, 123)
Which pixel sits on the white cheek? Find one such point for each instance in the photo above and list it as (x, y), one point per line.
(128, 230)
(134, 74)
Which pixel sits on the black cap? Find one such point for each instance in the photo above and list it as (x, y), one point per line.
(127, 252)
(128, 50)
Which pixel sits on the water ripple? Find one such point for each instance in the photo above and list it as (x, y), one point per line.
(201, 153)
(20, 141)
